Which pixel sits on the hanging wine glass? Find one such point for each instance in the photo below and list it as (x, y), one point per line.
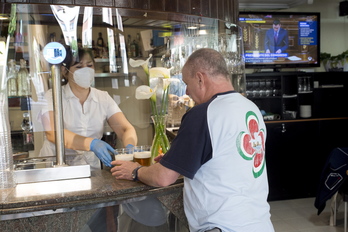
(262, 88)
(274, 88)
(268, 88)
(249, 88)
(256, 88)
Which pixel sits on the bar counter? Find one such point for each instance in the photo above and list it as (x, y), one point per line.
(66, 205)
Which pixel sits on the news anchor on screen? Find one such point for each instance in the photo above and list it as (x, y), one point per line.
(276, 39)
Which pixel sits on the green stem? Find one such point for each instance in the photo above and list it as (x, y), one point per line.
(160, 138)
(163, 137)
(164, 102)
(155, 146)
(153, 107)
(159, 119)
(162, 113)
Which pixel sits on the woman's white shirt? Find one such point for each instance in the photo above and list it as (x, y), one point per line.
(87, 120)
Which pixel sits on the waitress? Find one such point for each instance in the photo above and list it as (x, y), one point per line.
(85, 111)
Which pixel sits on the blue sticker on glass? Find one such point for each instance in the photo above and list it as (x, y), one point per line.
(54, 53)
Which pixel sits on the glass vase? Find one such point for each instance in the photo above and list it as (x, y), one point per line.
(160, 143)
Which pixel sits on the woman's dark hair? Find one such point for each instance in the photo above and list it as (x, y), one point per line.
(71, 60)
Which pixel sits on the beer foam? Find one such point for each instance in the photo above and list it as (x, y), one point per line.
(142, 154)
(126, 157)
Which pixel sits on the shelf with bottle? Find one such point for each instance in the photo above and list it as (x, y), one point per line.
(133, 46)
(289, 96)
(18, 84)
(106, 60)
(102, 68)
(17, 44)
(305, 85)
(263, 88)
(106, 74)
(318, 92)
(101, 60)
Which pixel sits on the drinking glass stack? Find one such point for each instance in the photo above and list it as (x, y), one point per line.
(6, 160)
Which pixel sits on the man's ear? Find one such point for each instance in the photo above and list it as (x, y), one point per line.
(200, 78)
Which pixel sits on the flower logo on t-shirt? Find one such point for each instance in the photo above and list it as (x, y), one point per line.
(251, 144)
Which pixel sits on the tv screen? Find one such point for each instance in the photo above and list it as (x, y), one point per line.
(280, 39)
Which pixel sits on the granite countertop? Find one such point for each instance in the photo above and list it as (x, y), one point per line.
(100, 188)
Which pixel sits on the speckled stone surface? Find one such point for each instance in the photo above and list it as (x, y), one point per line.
(174, 202)
(37, 206)
(61, 222)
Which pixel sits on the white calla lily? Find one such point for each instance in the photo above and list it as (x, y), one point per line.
(136, 63)
(143, 63)
(159, 72)
(143, 92)
(157, 92)
(166, 83)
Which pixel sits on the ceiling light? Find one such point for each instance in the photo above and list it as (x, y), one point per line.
(263, 6)
(192, 27)
(202, 32)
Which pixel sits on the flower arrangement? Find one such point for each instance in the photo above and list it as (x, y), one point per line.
(157, 91)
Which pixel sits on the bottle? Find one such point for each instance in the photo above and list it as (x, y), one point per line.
(100, 45)
(105, 53)
(94, 50)
(129, 43)
(23, 79)
(27, 128)
(139, 48)
(12, 79)
(53, 37)
(100, 41)
(117, 46)
(134, 49)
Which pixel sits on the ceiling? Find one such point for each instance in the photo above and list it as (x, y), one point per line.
(137, 20)
(271, 4)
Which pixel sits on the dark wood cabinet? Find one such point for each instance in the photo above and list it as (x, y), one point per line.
(283, 92)
(296, 152)
(290, 153)
(297, 148)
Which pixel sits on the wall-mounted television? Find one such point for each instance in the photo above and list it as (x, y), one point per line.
(281, 39)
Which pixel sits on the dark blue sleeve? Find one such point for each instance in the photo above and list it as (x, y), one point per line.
(191, 148)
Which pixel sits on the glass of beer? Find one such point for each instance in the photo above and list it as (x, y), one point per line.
(125, 154)
(142, 155)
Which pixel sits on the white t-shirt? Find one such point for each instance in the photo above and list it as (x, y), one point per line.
(220, 149)
(87, 120)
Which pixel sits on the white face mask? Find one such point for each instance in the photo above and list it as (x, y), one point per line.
(84, 77)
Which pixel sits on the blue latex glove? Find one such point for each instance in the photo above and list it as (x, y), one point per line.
(101, 149)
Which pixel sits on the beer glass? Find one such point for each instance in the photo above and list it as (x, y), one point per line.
(142, 155)
(125, 154)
